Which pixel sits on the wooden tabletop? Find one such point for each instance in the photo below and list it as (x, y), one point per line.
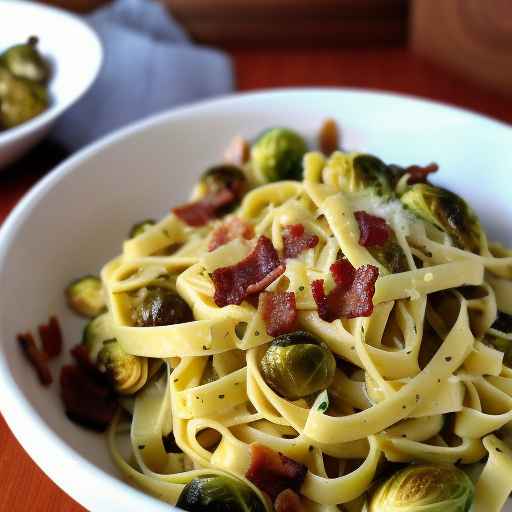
(23, 483)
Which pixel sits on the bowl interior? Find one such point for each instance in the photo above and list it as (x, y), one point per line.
(71, 47)
(77, 218)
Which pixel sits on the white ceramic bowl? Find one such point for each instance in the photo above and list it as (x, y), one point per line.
(76, 218)
(75, 54)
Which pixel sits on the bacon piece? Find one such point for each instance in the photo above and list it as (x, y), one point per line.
(88, 396)
(296, 240)
(279, 312)
(372, 230)
(351, 297)
(288, 501)
(199, 213)
(51, 337)
(328, 138)
(419, 174)
(230, 230)
(238, 152)
(37, 358)
(251, 275)
(273, 472)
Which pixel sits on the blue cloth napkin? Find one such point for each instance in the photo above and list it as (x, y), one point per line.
(149, 66)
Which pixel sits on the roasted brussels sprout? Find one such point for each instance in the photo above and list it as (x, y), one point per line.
(390, 255)
(97, 330)
(161, 306)
(85, 296)
(297, 365)
(219, 493)
(277, 155)
(20, 99)
(448, 212)
(140, 227)
(429, 488)
(371, 173)
(25, 61)
(225, 176)
(124, 369)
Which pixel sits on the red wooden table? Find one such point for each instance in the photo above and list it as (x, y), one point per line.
(23, 483)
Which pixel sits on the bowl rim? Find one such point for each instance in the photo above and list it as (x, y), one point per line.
(55, 110)
(18, 413)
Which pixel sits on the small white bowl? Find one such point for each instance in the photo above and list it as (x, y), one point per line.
(75, 54)
(76, 218)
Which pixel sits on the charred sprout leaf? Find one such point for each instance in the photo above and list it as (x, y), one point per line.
(141, 227)
(123, 369)
(97, 330)
(161, 306)
(390, 255)
(297, 365)
(426, 488)
(369, 172)
(219, 493)
(277, 155)
(25, 61)
(20, 99)
(85, 296)
(448, 212)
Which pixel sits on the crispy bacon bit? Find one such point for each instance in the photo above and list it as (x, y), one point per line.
(251, 275)
(230, 230)
(351, 297)
(51, 337)
(288, 501)
(199, 213)
(88, 398)
(37, 358)
(328, 138)
(419, 174)
(279, 312)
(273, 472)
(238, 152)
(296, 240)
(373, 230)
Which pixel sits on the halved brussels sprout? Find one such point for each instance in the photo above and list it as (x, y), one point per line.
(219, 493)
(225, 176)
(297, 365)
(277, 155)
(161, 306)
(95, 333)
(125, 370)
(20, 99)
(448, 212)
(426, 488)
(371, 173)
(25, 61)
(85, 296)
(390, 255)
(141, 227)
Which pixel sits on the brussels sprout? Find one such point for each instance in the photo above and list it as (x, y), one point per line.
(369, 172)
(95, 333)
(297, 365)
(123, 369)
(277, 155)
(85, 296)
(20, 100)
(161, 306)
(225, 176)
(390, 255)
(429, 488)
(141, 227)
(25, 61)
(219, 493)
(448, 212)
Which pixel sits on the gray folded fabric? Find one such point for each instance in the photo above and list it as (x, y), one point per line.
(149, 66)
